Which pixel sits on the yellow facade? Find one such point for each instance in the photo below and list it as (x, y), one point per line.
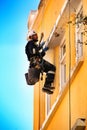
(62, 24)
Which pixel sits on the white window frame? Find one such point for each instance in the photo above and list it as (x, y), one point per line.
(62, 63)
(63, 50)
(48, 103)
(79, 34)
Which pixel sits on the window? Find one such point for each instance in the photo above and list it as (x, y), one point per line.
(62, 63)
(79, 34)
(47, 104)
(63, 50)
(62, 75)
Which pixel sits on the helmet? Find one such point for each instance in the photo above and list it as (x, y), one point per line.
(31, 33)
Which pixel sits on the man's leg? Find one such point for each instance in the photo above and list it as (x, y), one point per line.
(50, 74)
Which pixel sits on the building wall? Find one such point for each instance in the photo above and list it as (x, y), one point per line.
(44, 23)
(47, 16)
(58, 117)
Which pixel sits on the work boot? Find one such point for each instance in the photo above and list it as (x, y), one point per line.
(47, 90)
(49, 86)
(26, 77)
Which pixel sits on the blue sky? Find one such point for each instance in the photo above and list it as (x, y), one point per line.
(16, 98)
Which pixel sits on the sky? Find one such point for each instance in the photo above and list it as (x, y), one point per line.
(16, 97)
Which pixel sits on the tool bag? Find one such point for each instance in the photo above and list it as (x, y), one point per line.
(32, 76)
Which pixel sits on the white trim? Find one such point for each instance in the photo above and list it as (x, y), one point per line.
(79, 30)
(47, 108)
(61, 45)
(57, 21)
(62, 63)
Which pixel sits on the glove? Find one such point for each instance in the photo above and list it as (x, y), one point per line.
(46, 48)
(42, 44)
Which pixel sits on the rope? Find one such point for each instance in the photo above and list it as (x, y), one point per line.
(40, 109)
(69, 70)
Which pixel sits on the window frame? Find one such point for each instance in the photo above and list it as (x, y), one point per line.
(62, 63)
(79, 33)
(48, 103)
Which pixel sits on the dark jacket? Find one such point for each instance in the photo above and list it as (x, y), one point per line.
(31, 50)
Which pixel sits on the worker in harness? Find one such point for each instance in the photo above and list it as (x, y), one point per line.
(35, 54)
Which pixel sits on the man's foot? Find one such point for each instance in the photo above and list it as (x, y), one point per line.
(26, 77)
(48, 86)
(47, 90)
(52, 88)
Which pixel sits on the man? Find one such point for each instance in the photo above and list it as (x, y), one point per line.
(35, 54)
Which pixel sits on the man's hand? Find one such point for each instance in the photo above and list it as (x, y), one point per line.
(46, 48)
(42, 44)
(41, 37)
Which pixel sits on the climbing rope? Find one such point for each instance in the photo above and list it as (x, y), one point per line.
(41, 80)
(69, 70)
